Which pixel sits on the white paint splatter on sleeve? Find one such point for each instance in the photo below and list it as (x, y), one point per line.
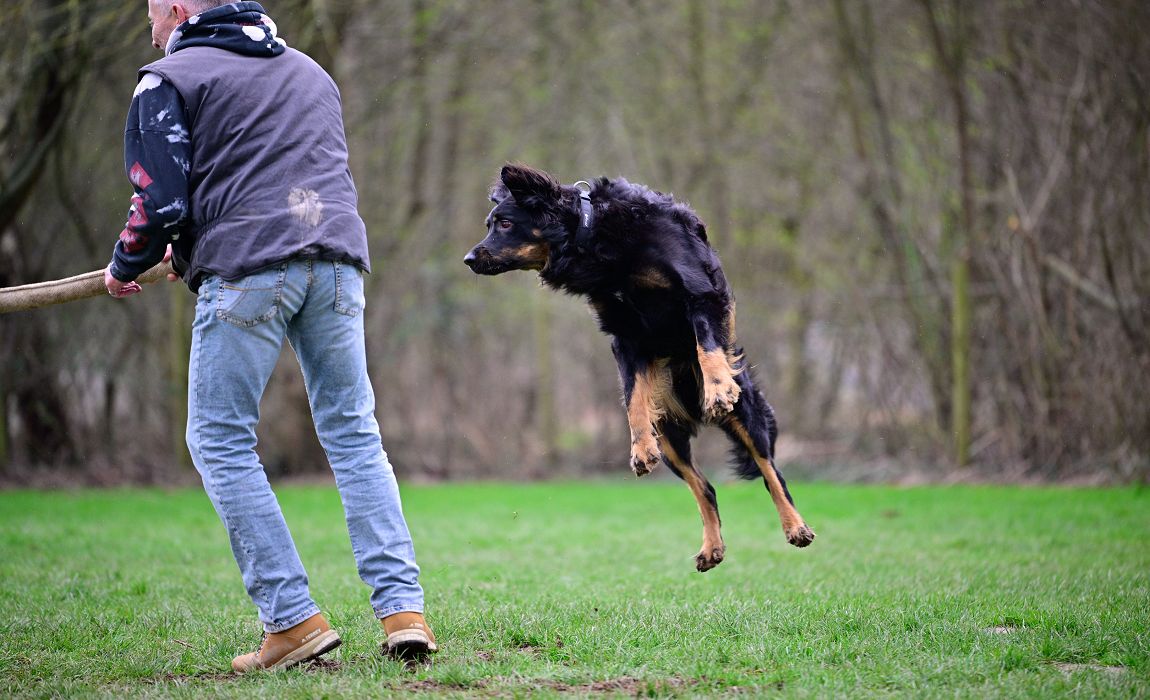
(149, 81)
(177, 134)
(178, 207)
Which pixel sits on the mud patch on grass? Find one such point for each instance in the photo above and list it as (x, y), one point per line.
(626, 685)
(1072, 668)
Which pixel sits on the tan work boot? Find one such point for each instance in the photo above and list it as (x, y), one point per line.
(408, 636)
(279, 650)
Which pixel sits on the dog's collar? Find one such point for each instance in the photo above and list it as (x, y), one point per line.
(586, 215)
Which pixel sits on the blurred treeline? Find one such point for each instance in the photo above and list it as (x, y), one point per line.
(935, 215)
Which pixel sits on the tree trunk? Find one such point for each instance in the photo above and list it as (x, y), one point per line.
(960, 356)
(952, 61)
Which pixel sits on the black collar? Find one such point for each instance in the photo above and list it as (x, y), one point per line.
(586, 215)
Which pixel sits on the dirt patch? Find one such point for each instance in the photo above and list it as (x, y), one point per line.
(1071, 668)
(321, 665)
(1001, 629)
(494, 687)
(626, 685)
(438, 686)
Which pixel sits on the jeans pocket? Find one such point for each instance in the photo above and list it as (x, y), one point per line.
(251, 300)
(204, 294)
(349, 299)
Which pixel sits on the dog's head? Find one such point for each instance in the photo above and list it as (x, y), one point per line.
(527, 224)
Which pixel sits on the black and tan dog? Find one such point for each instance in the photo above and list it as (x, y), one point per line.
(655, 284)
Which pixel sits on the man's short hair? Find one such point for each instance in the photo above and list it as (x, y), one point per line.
(197, 6)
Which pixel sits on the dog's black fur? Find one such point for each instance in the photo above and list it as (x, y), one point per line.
(656, 286)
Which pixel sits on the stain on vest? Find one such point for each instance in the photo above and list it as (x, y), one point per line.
(305, 206)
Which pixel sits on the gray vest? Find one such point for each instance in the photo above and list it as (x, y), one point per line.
(269, 178)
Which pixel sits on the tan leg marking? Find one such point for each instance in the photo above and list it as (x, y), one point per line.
(651, 398)
(794, 527)
(642, 413)
(711, 554)
(720, 392)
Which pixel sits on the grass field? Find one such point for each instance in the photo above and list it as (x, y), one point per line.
(590, 589)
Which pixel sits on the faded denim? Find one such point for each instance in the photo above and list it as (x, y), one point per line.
(237, 336)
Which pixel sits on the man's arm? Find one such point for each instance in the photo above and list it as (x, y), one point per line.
(157, 154)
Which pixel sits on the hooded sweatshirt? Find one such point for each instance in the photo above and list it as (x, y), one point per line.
(236, 152)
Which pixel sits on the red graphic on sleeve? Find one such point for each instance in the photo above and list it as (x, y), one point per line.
(132, 239)
(139, 176)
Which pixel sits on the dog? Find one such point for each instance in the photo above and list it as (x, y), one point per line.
(643, 262)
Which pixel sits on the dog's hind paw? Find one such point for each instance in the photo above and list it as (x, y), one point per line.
(800, 536)
(709, 558)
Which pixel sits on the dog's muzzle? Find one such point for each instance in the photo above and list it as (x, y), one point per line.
(479, 260)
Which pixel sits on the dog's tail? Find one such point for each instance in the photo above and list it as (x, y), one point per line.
(746, 467)
(744, 464)
(759, 420)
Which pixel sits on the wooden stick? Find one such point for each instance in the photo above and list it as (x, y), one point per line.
(89, 284)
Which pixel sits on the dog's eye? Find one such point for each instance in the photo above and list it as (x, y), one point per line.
(505, 225)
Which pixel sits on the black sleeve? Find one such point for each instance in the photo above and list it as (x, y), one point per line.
(157, 154)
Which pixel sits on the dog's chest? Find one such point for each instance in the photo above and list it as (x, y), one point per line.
(646, 316)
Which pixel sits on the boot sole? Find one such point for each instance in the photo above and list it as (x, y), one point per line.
(410, 644)
(312, 650)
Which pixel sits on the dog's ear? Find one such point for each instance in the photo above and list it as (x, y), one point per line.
(530, 187)
(498, 192)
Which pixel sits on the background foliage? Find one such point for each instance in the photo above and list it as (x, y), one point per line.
(934, 214)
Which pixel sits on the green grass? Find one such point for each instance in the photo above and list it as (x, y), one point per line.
(589, 588)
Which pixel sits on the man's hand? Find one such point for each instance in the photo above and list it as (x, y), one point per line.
(172, 277)
(117, 288)
(120, 289)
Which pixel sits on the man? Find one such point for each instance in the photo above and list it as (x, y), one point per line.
(235, 148)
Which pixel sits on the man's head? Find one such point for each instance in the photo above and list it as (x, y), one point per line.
(165, 15)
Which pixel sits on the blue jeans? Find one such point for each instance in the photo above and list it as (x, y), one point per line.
(236, 339)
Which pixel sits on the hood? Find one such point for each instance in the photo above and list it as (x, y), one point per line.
(241, 27)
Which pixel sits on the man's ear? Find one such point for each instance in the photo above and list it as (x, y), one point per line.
(181, 13)
(530, 187)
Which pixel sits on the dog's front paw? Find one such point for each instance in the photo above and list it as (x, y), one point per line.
(709, 557)
(720, 394)
(645, 454)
